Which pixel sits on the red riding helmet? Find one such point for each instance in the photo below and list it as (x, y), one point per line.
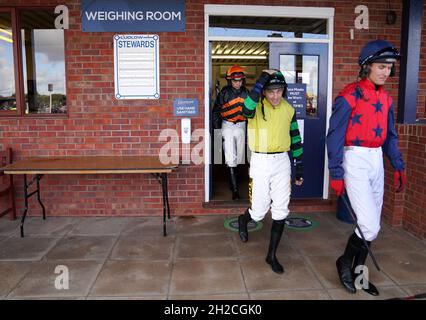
(235, 73)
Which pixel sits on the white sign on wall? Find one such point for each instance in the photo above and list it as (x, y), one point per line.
(136, 66)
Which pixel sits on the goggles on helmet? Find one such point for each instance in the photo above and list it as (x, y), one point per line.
(387, 55)
(276, 81)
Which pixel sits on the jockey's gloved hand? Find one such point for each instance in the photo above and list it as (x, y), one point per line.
(399, 180)
(263, 78)
(338, 185)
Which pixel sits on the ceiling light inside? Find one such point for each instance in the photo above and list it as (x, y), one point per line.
(236, 56)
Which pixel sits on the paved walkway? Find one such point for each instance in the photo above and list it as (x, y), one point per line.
(128, 258)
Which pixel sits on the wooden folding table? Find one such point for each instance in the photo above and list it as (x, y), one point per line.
(39, 166)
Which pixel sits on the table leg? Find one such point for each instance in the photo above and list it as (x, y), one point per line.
(27, 195)
(163, 178)
(167, 195)
(24, 214)
(39, 176)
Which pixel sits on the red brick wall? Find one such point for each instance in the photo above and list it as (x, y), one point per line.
(393, 203)
(414, 217)
(98, 124)
(408, 209)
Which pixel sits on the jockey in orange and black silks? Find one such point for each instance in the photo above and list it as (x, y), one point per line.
(228, 116)
(230, 100)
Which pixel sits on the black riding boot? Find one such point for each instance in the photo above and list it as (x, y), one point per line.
(360, 258)
(243, 220)
(276, 233)
(233, 183)
(344, 263)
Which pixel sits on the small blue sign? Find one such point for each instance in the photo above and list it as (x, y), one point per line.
(133, 15)
(296, 96)
(185, 107)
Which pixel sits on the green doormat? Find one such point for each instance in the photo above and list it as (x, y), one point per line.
(300, 223)
(232, 224)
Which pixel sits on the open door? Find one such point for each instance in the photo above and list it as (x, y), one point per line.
(306, 65)
(211, 131)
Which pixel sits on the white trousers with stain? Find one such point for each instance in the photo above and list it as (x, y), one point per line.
(364, 182)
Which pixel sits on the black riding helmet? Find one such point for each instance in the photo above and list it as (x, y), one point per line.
(276, 81)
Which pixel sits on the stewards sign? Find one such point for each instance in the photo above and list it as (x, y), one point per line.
(136, 69)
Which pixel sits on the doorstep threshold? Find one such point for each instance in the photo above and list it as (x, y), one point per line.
(243, 203)
(294, 203)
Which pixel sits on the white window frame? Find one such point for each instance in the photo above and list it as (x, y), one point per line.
(263, 11)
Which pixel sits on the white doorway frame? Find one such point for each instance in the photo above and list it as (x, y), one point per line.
(263, 11)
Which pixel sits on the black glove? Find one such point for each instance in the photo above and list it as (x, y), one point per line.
(299, 170)
(217, 124)
(263, 78)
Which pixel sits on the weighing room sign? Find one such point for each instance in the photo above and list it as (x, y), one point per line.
(133, 15)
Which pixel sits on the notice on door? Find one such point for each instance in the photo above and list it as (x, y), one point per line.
(136, 66)
(296, 96)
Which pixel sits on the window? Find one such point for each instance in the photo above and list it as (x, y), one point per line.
(303, 69)
(282, 27)
(7, 72)
(32, 64)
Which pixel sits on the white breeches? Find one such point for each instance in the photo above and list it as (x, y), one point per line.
(270, 185)
(364, 180)
(234, 142)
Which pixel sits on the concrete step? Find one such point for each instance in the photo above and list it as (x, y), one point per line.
(296, 205)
